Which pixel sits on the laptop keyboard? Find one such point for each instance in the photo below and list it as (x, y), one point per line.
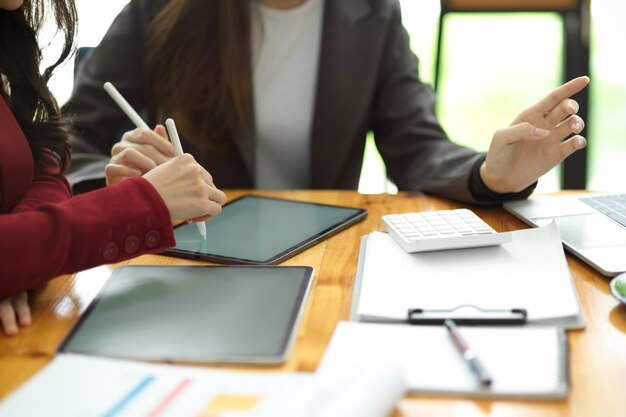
(613, 206)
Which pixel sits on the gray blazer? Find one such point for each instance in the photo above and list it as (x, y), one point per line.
(367, 81)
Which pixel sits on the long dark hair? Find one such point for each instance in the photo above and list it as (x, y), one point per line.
(30, 100)
(198, 60)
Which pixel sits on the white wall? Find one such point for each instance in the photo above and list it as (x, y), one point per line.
(95, 17)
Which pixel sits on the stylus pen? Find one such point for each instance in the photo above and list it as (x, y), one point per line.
(138, 121)
(173, 134)
(474, 363)
(125, 106)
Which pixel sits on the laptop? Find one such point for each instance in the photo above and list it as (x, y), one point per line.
(592, 226)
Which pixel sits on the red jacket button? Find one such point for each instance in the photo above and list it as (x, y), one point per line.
(131, 244)
(110, 251)
(152, 239)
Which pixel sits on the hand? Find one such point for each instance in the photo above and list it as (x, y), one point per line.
(533, 144)
(14, 310)
(138, 152)
(187, 189)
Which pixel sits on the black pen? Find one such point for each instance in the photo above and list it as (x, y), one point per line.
(474, 363)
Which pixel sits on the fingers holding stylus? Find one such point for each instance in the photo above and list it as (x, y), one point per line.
(115, 173)
(214, 203)
(186, 188)
(217, 199)
(153, 144)
(127, 163)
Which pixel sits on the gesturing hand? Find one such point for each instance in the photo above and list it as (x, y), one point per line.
(534, 143)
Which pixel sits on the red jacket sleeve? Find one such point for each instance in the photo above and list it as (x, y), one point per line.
(50, 234)
(48, 186)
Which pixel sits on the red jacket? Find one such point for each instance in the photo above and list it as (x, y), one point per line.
(44, 232)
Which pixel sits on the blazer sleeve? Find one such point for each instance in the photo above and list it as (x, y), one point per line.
(415, 148)
(50, 234)
(48, 186)
(97, 122)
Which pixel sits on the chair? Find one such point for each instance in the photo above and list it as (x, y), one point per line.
(81, 54)
(575, 15)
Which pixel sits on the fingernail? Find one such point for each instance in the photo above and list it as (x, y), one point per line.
(581, 142)
(578, 127)
(541, 132)
(573, 106)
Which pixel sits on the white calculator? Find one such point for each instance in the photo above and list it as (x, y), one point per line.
(441, 230)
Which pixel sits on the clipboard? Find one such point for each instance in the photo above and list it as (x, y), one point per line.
(468, 315)
(526, 281)
(506, 314)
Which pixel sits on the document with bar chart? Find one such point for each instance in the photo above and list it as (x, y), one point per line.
(87, 386)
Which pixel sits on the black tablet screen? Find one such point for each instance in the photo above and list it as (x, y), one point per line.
(245, 314)
(261, 230)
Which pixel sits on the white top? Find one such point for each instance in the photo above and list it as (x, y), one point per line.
(4, 84)
(286, 49)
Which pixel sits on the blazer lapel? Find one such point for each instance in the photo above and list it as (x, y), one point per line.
(346, 81)
(245, 143)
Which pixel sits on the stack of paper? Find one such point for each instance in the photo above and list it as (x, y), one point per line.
(524, 362)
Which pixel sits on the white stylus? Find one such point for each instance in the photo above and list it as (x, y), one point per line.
(138, 121)
(126, 108)
(173, 134)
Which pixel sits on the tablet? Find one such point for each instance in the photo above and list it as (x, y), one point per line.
(262, 230)
(214, 314)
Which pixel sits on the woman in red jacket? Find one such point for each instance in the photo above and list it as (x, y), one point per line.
(43, 231)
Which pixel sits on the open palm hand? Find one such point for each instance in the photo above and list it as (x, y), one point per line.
(536, 141)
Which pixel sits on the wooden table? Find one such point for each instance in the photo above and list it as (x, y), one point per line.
(598, 353)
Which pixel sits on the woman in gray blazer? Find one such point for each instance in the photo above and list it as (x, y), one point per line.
(281, 94)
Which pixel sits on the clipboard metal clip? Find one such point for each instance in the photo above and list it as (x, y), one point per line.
(467, 314)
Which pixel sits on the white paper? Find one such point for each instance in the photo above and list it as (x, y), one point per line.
(530, 272)
(84, 386)
(365, 389)
(524, 362)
